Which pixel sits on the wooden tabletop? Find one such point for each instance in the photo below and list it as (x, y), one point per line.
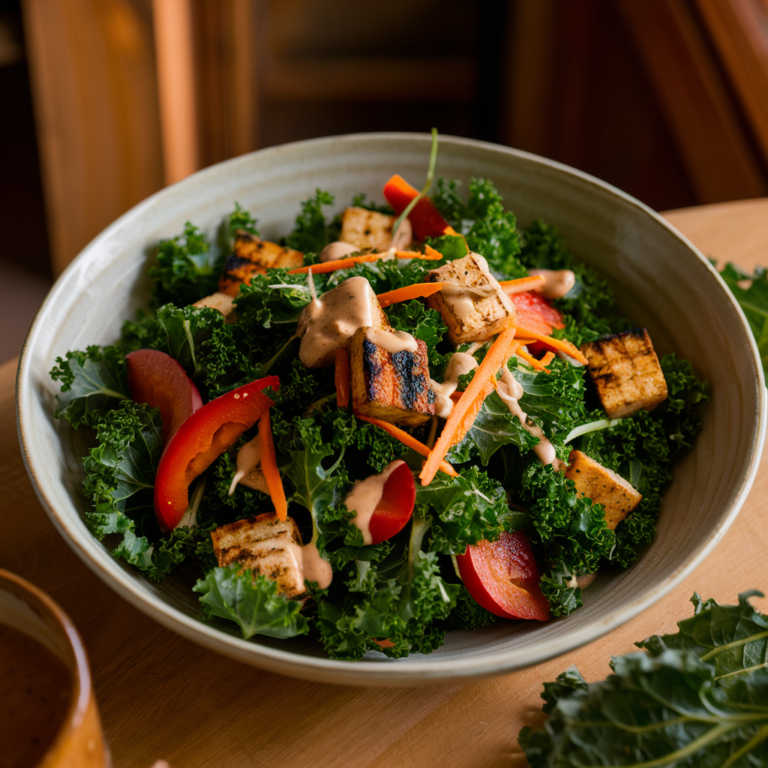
(161, 696)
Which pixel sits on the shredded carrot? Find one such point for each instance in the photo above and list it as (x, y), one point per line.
(479, 388)
(561, 344)
(548, 358)
(532, 361)
(269, 468)
(350, 261)
(521, 284)
(407, 440)
(415, 291)
(341, 378)
(524, 342)
(432, 254)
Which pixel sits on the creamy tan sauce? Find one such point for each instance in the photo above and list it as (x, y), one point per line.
(556, 284)
(35, 688)
(460, 363)
(248, 459)
(510, 391)
(392, 341)
(314, 567)
(338, 250)
(328, 323)
(365, 497)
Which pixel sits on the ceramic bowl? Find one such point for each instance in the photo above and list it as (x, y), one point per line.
(660, 279)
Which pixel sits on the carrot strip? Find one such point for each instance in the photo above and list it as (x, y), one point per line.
(269, 468)
(524, 342)
(561, 344)
(475, 393)
(432, 253)
(548, 358)
(407, 440)
(522, 284)
(332, 266)
(532, 361)
(415, 291)
(341, 377)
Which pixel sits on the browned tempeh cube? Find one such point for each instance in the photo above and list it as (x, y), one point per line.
(222, 302)
(369, 229)
(252, 256)
(265, 545)
(602, 486)
(477, 308)
(390, 377)
(626, 372)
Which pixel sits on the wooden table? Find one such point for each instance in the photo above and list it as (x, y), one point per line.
(161, 696)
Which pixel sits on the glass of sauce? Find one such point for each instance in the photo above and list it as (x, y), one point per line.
(48, 715)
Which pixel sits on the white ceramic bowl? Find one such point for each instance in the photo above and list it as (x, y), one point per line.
(661, 281)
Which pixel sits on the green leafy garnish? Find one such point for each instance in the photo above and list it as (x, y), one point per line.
(699, 698)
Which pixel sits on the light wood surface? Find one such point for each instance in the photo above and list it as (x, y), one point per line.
(160, 696)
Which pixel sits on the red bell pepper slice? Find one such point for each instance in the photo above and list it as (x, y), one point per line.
(200, 440)
(425, 218)
(502, 576)
(535, 312)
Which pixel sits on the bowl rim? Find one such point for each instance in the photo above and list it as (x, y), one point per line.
(385, 671)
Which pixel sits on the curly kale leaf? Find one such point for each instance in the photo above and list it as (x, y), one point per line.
(241, 219)
(753, 300)
(678, 412)
(468, 614)
(252, 602)
(488, 228)
(402, 600)
(92, 383)
(311, 233)
(272, 299)
(186, 270)
(697, 700)
(464, 510)
(422, 323)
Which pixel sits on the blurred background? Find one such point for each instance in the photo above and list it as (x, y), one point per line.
(106, 101)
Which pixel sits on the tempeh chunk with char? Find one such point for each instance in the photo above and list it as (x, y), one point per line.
(253, 256)
(626, 372)
(370, 229)
(473, 304)
(602, 486)
(265, 545)
(390, 377)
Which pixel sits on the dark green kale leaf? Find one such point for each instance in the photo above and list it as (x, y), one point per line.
(422, 323)
(272, 299)
(487, 227)
(493, 427)
(92, 383)
(753, 300)
(698, 700)
(311, 233)
(361, 201)
(468, 614)
(186, 270)
(252, 602)
(241, 219)
(678, 411)
(402, 599)
(464, 510)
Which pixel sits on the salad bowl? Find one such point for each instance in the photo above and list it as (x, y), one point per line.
(662, 283)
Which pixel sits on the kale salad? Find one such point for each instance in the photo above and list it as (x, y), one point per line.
(451, 293)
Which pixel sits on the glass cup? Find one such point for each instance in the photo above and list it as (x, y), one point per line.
(69, 734)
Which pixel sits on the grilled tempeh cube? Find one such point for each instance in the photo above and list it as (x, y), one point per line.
(477, 308)
(626, 372)
(602, 486)
(265, 545)
(390, 377)
(223, 302)
(370, 229)
(252, 256)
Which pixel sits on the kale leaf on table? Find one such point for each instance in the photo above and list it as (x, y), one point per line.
(696, 699)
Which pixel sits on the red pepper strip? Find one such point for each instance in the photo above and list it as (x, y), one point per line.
(200, 440)
(341, 378)
(269, 468)
(425, 218)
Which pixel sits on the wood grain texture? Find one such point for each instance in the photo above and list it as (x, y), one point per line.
(96, 108)
(160, 696)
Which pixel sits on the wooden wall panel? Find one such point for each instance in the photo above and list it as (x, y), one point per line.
(96, 106)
